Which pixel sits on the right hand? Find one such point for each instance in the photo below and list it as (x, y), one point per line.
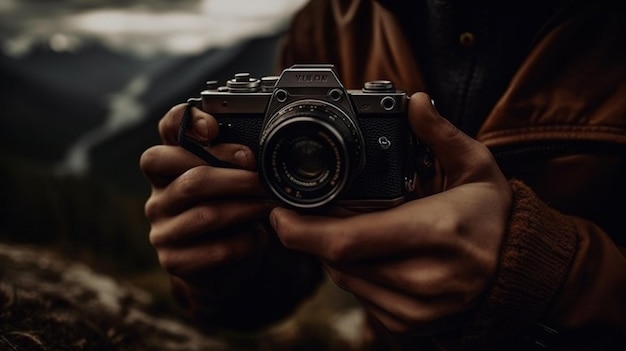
(203, 219)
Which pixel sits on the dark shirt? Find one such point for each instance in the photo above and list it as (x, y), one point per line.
(471, 50)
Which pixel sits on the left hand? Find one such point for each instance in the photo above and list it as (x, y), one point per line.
(421, 265)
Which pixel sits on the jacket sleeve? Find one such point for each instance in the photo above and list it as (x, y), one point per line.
(561, 283)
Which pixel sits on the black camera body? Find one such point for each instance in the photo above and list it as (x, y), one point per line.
(315, 142)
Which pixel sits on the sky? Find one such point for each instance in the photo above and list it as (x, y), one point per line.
(150, 31)
(142, 28)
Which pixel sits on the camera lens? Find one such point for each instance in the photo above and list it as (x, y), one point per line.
(309, 159)
(310, 152)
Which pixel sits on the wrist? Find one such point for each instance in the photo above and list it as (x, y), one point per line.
(534, 262)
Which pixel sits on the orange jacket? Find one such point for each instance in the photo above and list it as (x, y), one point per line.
(559, 134)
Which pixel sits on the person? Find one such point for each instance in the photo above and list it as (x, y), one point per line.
(517, 242)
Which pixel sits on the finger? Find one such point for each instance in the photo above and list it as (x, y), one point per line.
(239, 155)
(205, 255)
(453, 149)
(425, 276)
(204, 218)
(163, 163)
(395, 232)
(204, 126)
(201, 184)
(413, 329)
(406, 309)
(389, 321)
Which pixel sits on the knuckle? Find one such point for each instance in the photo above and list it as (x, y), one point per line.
(430, 283)
(340, 249)
(177, 264)
(287, 237)
(169, 262)
(160, 237)
(152, 208)
(188, 184)
(170, 121)
(206, 216)
(484, 158)
(155, 237)
(220, 254)
(149, 158)
(172, 265)
(450, 226)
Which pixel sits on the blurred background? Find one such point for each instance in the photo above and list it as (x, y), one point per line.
(84, 83)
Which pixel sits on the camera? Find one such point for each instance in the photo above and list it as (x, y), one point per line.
(317, 143)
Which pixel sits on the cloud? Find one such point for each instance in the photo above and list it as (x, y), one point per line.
(147, 31)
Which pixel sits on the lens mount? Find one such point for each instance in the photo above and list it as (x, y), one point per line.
(310, 151)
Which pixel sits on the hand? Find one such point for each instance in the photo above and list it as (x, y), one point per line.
(202, 218)
(419, 266)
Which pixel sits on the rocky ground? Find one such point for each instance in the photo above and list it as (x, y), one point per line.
(52, 303)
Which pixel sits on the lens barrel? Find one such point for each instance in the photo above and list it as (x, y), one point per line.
(310, 151)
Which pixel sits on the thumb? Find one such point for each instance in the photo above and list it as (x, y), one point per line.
(452, 147)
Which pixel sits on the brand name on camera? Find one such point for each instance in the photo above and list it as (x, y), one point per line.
(312, 77)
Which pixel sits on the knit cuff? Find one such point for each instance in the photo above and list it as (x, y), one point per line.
(535, 260)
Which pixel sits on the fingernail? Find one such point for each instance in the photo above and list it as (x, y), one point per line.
(241, 156)
(201, 128)
(273, 220)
